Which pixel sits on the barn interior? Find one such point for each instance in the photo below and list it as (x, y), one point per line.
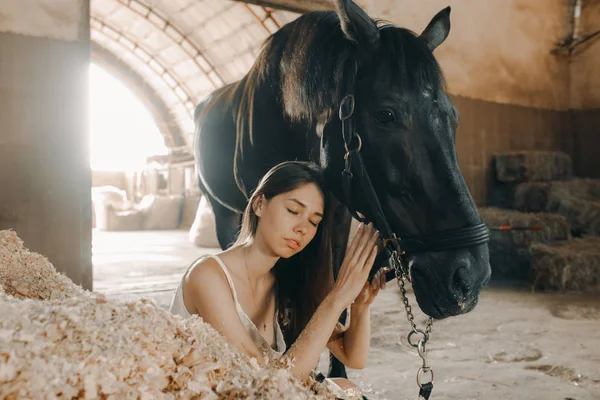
(111, 197)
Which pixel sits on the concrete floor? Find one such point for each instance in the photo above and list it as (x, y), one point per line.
(514, 345)
(145, 263)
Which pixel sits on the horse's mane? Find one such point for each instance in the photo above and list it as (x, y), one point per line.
(306, 60)
(301, 69)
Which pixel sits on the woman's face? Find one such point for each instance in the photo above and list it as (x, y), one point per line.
(289, 221)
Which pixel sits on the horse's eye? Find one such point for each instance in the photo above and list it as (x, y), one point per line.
(385, 117)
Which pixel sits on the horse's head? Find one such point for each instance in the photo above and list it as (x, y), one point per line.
(407, 124)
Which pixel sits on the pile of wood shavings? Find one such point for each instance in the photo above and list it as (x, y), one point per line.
(78, 344)
(24, 274)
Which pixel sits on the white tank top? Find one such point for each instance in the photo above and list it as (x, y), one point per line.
(178, 308)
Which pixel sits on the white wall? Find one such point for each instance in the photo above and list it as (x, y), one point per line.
(498, 50)
(55, 19)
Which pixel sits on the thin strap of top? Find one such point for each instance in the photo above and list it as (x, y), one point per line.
(178, 307)
(229, 280)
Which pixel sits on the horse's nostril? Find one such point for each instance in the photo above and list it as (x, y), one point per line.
(460, 282)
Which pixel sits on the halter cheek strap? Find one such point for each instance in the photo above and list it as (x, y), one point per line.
(355, 173)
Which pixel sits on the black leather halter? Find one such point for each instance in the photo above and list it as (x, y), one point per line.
(354, 170)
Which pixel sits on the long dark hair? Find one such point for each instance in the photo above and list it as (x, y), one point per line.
(304, 279)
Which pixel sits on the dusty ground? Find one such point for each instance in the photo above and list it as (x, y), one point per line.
(514, 345)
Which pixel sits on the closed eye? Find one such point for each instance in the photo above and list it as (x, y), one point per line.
(315, 224)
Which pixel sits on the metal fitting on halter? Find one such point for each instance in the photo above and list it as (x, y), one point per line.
(358, 147)
(348, 103)
(347, 162)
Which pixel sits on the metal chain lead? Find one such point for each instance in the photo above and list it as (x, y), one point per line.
(401, 277)
(425, 372)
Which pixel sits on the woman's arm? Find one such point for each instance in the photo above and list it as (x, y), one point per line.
(305, 352)
(208, 294)
(352, 347)
(353, 274)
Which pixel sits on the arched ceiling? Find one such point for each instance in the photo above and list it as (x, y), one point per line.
(175, 52)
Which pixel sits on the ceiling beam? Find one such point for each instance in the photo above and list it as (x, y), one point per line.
(298, 6)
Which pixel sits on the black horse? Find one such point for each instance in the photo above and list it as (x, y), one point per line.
(288, 108)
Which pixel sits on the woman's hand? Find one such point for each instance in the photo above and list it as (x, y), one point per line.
(357, 264)
(353, 274)
(370, 291)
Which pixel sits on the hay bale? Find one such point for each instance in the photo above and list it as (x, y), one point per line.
(582, 188)
(161, 212)
(578, 200)
(532, 196)
(527, 196)
(573, 265)
(583, 215)
(529, 166)
(510, 255)
(503, 195)
(78, 344)
(536, 196)
(120, 221)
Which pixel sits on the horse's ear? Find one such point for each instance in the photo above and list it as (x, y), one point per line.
(438, 29)
(356, 24)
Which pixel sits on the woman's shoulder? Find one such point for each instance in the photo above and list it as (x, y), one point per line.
(205, 270)
(206, 281)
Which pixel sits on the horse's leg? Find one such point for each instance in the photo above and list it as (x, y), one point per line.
(227, 222)
(341, 219)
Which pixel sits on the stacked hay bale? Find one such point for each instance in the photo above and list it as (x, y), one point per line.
(511, 235)
(59, 341)
(532, 166)
(573, 265)
(576, 199)
(542, 183)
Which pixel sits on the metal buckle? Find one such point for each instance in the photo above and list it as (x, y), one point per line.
(347, 164)
(349, 98)
(357, 147)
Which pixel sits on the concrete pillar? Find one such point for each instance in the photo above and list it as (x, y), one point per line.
(45, 177)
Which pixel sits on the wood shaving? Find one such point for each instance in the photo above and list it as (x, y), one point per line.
(24, 274)
(58, 341)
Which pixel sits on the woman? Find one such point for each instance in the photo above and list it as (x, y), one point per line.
(280, 269)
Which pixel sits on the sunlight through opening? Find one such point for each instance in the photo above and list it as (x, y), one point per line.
(122, 131)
